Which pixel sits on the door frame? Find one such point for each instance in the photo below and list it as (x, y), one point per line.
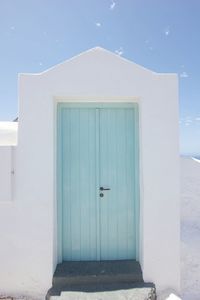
(59, 106)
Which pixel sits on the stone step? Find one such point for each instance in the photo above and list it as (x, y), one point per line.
(100, 280)
(139, 291)
(80, 273)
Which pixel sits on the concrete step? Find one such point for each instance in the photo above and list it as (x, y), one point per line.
(139, 291)
(80, 273)
(100, 280)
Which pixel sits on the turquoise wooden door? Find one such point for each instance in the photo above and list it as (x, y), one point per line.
(117, 212)
(97, 150)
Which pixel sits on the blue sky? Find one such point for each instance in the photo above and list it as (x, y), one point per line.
(160, 35)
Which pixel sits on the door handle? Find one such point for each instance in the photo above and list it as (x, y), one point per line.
(104, 189)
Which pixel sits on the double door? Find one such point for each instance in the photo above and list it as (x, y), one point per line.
(98, 183)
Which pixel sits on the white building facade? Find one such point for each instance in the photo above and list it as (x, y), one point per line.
(29, 208)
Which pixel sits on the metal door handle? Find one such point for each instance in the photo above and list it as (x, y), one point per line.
(104, 189)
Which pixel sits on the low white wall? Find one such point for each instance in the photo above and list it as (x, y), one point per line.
(24, 261)
(8, 133)
(6, 173)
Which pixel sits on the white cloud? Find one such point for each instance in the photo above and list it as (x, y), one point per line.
(112, 5)
(184, 74)
(149, 45)
(167, 31)
(98, 24)
(119, 51)
(187, 120)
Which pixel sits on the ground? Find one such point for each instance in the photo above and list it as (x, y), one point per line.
(190, 229)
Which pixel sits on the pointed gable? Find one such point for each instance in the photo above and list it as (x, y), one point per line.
(100, 58)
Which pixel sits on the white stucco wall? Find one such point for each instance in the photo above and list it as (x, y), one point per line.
(8, 139)
(96, 75)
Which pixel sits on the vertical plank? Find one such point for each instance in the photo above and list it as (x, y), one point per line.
(59, 182)
(66, 177)
(137, 180)
(130, 156)
(97, 198)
